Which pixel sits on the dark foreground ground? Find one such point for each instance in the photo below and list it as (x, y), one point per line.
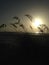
(24, 48)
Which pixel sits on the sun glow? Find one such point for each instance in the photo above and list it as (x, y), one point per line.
(37, 22)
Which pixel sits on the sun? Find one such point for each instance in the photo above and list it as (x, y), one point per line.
(37, 22)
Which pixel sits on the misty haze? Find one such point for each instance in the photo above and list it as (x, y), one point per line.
(24, 31)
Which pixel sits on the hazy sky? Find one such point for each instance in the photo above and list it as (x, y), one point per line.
(10, 8)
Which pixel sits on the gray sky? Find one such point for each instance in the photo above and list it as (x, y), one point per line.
(10, 8)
